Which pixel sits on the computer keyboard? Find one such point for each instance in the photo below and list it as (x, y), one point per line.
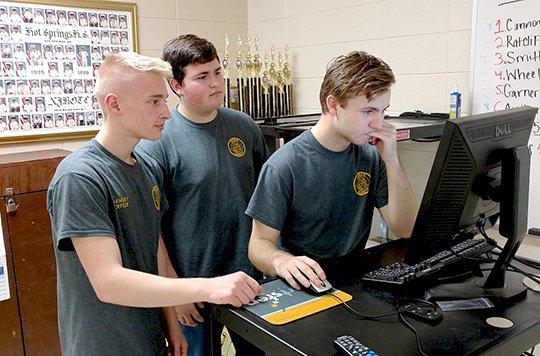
(400, 274)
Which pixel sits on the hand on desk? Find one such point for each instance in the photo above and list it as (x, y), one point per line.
(298, 270)
(188, 314)
(236, 289)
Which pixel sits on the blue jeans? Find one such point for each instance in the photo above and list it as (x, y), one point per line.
(198, 339)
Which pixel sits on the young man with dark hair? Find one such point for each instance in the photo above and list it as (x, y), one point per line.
(211, 157)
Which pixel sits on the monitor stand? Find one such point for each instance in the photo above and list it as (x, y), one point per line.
(513, 289)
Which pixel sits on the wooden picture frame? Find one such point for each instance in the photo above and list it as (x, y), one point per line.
(50, 51)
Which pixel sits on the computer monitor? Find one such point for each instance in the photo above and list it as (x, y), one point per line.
(480, 175)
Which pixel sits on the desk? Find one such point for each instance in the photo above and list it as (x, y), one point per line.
(408, 127)
(460, 332)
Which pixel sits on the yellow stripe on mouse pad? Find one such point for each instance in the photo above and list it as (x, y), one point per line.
(307, 308)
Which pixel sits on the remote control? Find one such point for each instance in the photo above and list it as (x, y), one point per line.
(349, 345)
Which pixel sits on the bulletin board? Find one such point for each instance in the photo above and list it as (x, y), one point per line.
(505, 72)
(50, 52)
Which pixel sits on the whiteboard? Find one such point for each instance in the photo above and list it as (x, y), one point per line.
(505, 70)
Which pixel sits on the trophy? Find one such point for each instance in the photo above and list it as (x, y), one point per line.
(287, 74)
(240, 75)
(226, 78)
(257, 65)
(248, 64)
(280, 84)
(264, 86)
(273, 82)
(265, 83)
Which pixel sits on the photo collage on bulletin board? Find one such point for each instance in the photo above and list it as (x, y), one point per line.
(49, 57)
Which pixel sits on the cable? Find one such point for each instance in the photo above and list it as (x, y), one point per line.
(510, 265)
(363, 316)
(415, 332)
(526, 274)
(399, 313)
(404, 321)
(476, 259)
(532, 264)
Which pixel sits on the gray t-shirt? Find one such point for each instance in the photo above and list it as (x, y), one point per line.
(93, 193)
(210, 172)
(321, 201)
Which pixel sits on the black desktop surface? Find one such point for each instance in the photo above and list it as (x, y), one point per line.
(459, 333)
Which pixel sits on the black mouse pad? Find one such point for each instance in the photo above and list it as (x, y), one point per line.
(279, 303)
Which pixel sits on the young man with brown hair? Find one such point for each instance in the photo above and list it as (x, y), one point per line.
(316, 195)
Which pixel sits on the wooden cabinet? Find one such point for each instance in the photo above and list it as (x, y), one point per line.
(28, 320)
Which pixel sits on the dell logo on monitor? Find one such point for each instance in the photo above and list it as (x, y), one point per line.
(503, 130)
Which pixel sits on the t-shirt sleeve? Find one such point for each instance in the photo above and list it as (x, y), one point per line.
(381, 199)
(261, 151)
(270, 200)
(78, 206)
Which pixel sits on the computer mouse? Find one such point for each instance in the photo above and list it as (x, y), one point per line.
(324, 288)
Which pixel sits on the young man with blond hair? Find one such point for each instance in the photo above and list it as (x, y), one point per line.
(106, 205)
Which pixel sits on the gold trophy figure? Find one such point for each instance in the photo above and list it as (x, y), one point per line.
(257, 65)
(287, 72)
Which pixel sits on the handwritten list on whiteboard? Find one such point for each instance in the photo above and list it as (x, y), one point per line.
(505, 70)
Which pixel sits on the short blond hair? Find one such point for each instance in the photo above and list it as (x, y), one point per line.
(123, 69)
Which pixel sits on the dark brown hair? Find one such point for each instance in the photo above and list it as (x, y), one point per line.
(354, 74)
(187, 49)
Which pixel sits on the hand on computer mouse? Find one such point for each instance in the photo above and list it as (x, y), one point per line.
(299, 271)
(324, 287)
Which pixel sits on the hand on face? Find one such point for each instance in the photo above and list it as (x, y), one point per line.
(386, 141)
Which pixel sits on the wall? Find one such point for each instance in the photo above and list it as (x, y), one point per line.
(426, 42)
(159, 21)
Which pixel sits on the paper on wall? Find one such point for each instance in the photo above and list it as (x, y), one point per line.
(4, 280)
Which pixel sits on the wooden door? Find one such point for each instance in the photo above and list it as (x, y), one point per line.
(28, 320)
(35, 271)
(11, 341)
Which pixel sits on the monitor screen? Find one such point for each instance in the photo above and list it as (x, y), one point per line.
(480, 174)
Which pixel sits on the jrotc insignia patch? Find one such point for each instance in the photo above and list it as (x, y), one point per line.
(156, 197)
(236, 147)
(361, 183)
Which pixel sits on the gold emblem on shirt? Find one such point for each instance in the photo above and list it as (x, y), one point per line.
(156, 197)
(236, 147)
(361, 183)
